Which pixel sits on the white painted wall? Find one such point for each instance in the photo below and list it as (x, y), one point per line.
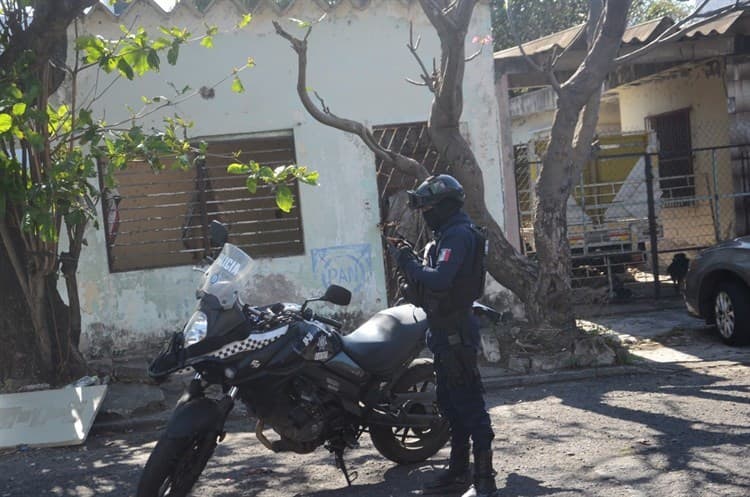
(530, 123)
(357, 62)
(701, 89)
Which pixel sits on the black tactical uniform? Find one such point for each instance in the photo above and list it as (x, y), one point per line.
(449, 280)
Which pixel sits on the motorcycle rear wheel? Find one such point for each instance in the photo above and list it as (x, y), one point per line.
(175, 465)
(412, 445)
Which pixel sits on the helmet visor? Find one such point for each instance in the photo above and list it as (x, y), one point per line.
(415, 201)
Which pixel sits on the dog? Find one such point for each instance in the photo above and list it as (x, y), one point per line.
(678, 269)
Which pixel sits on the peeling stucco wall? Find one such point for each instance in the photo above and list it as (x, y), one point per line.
(357, 62)
(532, 115)
(702, 90)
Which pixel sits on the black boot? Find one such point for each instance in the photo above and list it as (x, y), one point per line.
(456, 478)
(484, 476)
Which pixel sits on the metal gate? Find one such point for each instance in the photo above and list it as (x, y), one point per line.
(634, 208)
(412, 140)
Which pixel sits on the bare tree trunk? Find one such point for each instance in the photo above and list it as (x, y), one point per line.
(544, 287)
(18, 357)
(55, 326)
(504, 263)
(569, 148)
(451, 20)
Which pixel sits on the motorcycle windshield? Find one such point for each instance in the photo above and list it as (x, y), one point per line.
(227, 275)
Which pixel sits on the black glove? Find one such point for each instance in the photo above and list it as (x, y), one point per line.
(401, 253)
(412, 293)
(457, 365)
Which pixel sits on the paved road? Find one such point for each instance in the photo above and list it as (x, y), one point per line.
(678, 431)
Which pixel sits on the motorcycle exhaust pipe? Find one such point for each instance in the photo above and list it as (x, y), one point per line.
(259, 426)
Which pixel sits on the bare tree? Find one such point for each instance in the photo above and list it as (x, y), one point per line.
(544, 287)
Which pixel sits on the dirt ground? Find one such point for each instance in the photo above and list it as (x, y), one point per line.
(677, 431)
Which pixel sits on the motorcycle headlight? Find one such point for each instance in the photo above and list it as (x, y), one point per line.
(195, 329)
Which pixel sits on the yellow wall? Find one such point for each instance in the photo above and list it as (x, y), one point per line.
(702, 90)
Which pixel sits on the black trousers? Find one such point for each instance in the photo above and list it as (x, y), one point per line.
(463, 405)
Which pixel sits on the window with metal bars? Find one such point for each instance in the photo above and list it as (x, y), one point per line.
(161, 220)
(412, 140)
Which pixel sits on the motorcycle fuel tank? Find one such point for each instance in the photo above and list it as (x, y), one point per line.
(315, 343)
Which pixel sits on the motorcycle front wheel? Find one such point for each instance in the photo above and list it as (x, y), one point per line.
(412, 445)
(175, 465)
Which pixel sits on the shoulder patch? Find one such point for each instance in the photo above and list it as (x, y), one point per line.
(445, 255)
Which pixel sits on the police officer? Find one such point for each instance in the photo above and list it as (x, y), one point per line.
(449, 280)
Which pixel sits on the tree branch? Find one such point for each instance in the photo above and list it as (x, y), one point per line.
(599, 59)
(15, 261)
(405, 164)
(48, 25)
(548, 72)
(429, 79)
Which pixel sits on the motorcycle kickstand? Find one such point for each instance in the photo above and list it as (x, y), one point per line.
(341, 464)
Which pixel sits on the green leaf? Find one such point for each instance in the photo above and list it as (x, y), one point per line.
(125, 69)
(161, 43)
(93, 47)
(265, 173)
(207, 41)
(284, 198)
(153, 60)
(245, 21)
(311, 178)
(84, 117)
(19, 109)
(173, 53)
(237, 85)
(237, 168)
(252, 185)
(16, 92)
(300, 22)
(6, 121)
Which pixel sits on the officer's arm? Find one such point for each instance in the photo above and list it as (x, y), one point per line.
(451, 254)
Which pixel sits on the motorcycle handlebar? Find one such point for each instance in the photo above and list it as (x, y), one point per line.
(332, 322)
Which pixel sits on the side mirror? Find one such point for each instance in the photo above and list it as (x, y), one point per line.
(337, 295)
(218, 234)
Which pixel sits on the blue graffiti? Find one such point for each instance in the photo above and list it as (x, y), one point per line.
(349, 266)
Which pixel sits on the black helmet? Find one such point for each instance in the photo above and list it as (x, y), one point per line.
(435, 189)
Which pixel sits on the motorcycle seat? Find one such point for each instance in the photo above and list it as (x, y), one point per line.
(387, 339)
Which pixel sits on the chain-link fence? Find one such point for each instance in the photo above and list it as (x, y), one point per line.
(632, 208)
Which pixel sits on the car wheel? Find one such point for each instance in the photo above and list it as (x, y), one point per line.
(732, 312)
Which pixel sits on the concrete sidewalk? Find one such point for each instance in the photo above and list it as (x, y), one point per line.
(657, 338)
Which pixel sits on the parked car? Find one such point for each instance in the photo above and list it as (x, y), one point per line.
(717, 289)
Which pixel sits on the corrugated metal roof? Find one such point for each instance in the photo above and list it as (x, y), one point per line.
(646, 31)
(639, 33)
(718, 26)
(561, 39)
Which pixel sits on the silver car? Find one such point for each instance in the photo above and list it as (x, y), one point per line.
(717, 289)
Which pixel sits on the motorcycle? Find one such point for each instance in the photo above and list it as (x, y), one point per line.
(297, 374)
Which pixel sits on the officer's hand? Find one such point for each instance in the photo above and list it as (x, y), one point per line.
(399, 242)
(401, 254)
